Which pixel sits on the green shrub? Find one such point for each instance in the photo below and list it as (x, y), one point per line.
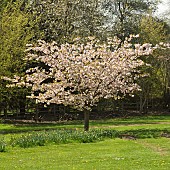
(85, 137)
(67, 136)
(61, 136)
(40, 139)
(28, 140)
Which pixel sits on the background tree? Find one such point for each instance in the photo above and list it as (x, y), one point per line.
(154, 30)
(15, 33)
(62, 20)
(122, 17)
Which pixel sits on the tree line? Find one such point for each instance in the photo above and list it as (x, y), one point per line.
(62, 21)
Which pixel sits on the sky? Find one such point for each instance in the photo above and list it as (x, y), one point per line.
(163, 7)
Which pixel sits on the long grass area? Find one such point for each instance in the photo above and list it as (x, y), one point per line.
(119, 144)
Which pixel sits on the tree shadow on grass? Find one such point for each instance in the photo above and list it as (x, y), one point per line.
(138, 120)
(21, 126)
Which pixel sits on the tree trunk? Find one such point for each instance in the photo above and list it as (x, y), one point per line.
(86, 120)
(5, 112)
(22, 105)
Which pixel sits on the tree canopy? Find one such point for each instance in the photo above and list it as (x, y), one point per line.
(81, 74)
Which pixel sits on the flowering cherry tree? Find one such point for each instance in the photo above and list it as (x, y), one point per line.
(80, 74)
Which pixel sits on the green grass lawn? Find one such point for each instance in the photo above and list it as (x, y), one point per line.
(109, 154)
(117, 154)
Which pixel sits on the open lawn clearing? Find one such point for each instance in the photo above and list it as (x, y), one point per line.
(149, 122)
(118, 154)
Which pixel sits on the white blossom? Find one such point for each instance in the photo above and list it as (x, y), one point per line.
(82, 74)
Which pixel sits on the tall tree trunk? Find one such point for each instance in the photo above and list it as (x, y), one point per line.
(22, 108)
(5, 112)
(86, 120)
(22, 104)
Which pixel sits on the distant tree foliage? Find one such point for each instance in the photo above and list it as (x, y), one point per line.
(15, 33)
(61, 20)
(122, 17)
